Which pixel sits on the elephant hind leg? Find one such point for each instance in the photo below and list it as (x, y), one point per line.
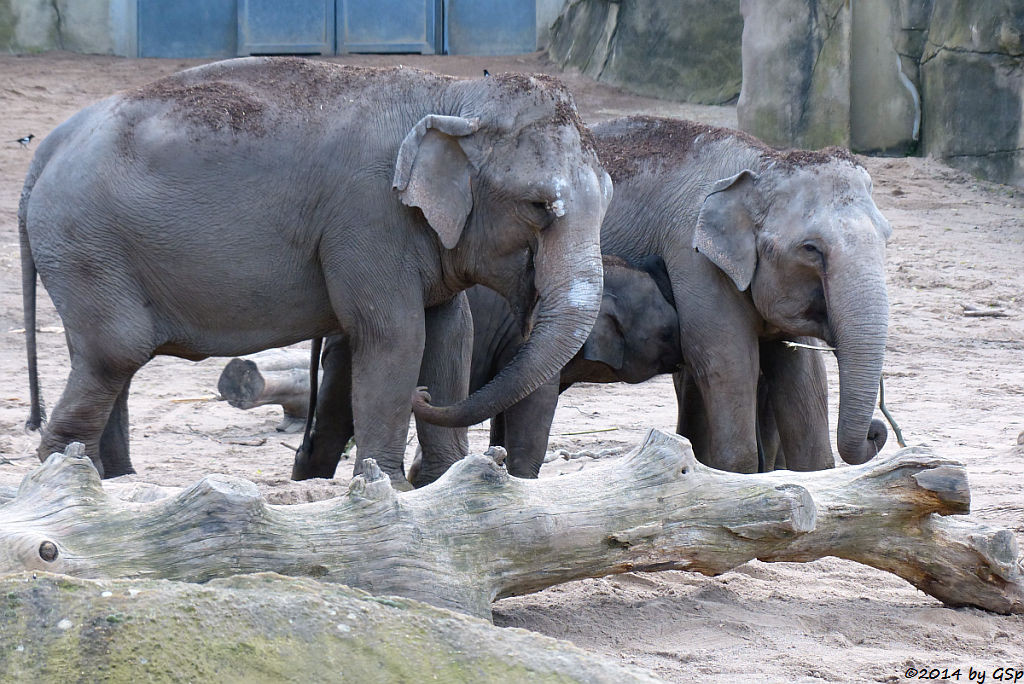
(114, 453)
(93, 408)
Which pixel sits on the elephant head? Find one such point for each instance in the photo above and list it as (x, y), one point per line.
(509, 181)
(636, 334)
(804, 235)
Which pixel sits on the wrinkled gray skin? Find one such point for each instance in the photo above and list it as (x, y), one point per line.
(792, 409)
(258, 202)
(635, 337)
(761, 246)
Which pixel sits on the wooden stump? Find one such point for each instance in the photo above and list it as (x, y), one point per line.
(274, 376)
(477, 534)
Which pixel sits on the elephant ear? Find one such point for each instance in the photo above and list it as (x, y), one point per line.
(432, 172)
(726, 228)
(606, 344)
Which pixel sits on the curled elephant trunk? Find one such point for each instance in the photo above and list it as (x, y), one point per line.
(569, 280)
(859, 323)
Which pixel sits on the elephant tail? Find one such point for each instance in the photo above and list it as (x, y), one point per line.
(37, 414)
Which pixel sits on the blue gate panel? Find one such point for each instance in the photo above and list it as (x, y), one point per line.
(272, 27)
(187, 28)
(389, 26)
(490, 27)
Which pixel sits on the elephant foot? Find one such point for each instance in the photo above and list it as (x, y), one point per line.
(306, 467)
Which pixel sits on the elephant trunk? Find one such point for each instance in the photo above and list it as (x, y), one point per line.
(858, 319)
(569, 283)
(567, 308)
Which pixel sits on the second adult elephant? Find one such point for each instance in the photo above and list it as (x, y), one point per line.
(635, 337)
(761, 246)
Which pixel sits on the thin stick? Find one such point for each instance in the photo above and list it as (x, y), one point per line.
(184, 400)
(799, 345)
(888, 416)
(980, 313)
(587, 432)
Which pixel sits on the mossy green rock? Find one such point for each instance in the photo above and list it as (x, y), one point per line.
(264, 628)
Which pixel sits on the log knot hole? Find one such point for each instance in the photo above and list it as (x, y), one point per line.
(48, 551)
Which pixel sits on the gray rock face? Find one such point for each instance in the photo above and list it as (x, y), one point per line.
(796, 72)
(264, 628)
(683, 50)
(973, 80)
(885, 100)
(886, 77)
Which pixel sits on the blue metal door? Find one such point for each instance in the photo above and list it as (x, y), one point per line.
(389, 26)
(187, 28)
(269, 27)
(490, 27)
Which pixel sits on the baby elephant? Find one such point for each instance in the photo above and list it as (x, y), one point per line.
(635, 337)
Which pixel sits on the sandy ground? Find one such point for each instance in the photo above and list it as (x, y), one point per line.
(954, 383)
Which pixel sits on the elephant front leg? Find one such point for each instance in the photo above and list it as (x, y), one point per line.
(447, 354)
(797, 389)
(527, 426)
(385, 367)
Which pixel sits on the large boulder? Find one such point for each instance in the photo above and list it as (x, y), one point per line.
(796, 72)
(973, 82)
(264, 628)
(885, 101)
(683, 50)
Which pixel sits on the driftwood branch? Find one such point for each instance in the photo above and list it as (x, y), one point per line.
(477, 534)
(275, 376)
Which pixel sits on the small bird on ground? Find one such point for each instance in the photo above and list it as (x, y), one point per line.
(24, 141)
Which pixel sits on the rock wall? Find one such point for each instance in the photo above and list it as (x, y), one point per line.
(84, 26)
(684, 50)
(796, 72)
(889, 77)
(972, 74)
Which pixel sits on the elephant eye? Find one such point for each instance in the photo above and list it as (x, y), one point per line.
(812, 250)
(538, 214)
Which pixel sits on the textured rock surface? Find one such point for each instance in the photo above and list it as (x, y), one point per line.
(264, 628)
(796, 72)
(75, 25)
(973, 81)
(683, 50)
(885, 100)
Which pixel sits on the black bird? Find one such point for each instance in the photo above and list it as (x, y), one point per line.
(24, 141)
(486, 73)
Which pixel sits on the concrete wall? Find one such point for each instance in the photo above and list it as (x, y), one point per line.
(104, 27)
(108, 27)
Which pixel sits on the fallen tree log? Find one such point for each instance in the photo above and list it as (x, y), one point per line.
(477, 534)
(265, 628)
(274, 376)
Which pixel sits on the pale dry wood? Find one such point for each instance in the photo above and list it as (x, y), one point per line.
(274, 376)
(477, 534)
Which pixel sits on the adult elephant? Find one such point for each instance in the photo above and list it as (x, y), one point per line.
(635, 337)
(761, 246)
(257, 202)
